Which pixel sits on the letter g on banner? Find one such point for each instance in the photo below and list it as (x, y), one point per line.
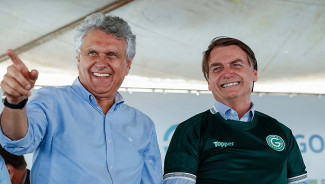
(314, 143)
(168, 134)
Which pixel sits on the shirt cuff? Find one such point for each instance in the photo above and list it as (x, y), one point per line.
(301, 179)
(179, 178)
(11, 145)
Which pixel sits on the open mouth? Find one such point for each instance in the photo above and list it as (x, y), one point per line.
(101, 74)
(229, 84)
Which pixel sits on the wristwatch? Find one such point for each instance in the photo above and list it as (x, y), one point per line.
(20, 105)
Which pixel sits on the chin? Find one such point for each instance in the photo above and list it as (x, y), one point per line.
(101, 89)
(231, 95)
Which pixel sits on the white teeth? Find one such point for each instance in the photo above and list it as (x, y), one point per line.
(101, 74)
(230, 84)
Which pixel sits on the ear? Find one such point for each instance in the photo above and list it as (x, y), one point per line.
(128, 66)
(209, 86)
(11, 171)
(255, 75)
(78, 58)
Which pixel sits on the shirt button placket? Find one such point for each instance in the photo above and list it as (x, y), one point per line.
(109, 146)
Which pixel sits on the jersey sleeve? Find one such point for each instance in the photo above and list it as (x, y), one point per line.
(182, 157)
(296, 169)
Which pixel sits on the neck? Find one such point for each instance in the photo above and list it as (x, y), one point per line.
(19, 176)
(105, 104)
(241, 107)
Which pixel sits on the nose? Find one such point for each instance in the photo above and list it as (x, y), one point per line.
(101, 60)
(228, 72)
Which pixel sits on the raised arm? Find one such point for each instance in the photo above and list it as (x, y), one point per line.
(16, 86)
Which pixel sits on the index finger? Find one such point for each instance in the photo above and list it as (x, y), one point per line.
(15, 59)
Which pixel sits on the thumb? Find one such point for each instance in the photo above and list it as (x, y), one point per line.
(33, 75)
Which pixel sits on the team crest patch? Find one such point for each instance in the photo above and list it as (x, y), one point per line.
(275, 142)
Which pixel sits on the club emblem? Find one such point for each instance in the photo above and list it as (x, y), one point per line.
(275, 142)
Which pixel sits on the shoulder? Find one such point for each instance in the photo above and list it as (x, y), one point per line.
(2, 165)
(270, 121)
(51, 97)
(1, 161)
(194, 122)
(132, 110)
(136, 114)
(263, 116)
(49, 90)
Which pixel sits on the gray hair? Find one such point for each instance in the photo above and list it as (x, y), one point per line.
(112, 25)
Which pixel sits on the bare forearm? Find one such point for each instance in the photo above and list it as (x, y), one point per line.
(16, 85)
(14, 123)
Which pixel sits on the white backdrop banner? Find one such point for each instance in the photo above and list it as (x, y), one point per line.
(304, 114)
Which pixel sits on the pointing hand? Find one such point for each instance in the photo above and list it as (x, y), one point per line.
(18, 81)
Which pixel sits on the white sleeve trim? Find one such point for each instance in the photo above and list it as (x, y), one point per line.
(297, 179)
(182, 175)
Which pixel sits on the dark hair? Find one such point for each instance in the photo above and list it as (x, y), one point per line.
(16, 161)
(222, 42)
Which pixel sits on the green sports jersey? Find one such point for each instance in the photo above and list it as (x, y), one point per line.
(210, 149)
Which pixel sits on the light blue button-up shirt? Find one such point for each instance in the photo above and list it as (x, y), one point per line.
(228, 113)
(75, 142)
(4, 175)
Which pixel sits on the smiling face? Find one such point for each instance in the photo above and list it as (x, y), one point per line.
(230, 75)
(102, 63)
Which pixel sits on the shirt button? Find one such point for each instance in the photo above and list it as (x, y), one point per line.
(111, 167)
(109, 141)
(232, 112)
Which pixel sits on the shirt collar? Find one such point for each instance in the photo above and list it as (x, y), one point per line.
(86, 95)
(228, 113)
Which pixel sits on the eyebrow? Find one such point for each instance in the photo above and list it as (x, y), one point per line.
(237, 61)
(107, 52)
(90, 49)
(231, 62)
(215, 64)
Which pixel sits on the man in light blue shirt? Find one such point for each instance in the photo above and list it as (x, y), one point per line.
(4, 175)
(83, 133)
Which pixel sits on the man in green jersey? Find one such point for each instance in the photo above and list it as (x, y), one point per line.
(231, 142)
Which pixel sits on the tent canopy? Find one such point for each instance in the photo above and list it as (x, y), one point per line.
(286, 36)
